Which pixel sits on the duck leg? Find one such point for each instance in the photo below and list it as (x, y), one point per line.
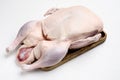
(52, 52)
(22, 34)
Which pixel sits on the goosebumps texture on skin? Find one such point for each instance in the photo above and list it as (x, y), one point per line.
(46, 42)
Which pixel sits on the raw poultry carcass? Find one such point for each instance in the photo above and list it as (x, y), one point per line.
(44, 43)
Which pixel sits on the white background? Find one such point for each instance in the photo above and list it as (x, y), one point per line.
(100, 63)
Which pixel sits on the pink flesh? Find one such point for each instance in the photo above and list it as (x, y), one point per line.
(63, 29)
(24, 53)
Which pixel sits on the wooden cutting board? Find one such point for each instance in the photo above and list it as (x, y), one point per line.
(74, 53)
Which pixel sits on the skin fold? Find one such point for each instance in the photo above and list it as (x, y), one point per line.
(44, 43)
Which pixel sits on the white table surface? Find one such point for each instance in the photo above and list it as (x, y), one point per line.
(100, 63)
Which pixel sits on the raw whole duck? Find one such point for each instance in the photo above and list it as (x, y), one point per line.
(44, 43)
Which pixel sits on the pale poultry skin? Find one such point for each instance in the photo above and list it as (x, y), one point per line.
(46, 42)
